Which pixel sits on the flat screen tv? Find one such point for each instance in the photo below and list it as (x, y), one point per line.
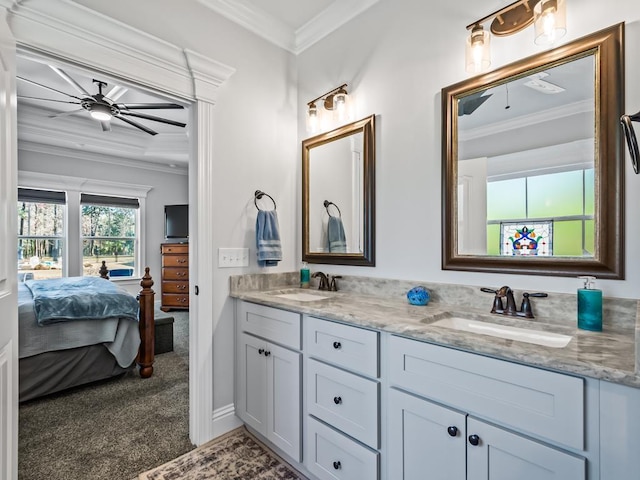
(176, 221)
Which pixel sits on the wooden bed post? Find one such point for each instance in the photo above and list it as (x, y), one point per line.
(147, 326)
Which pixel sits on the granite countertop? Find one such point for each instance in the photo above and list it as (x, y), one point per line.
(610, 355)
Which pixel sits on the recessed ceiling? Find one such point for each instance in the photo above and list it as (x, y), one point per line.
(59, 124)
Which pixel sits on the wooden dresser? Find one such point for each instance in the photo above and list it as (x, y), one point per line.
(175, 276)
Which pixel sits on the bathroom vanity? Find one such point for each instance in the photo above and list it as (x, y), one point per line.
(361, 385)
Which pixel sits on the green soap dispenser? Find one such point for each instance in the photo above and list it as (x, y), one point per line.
(589, 306)
(305, 276)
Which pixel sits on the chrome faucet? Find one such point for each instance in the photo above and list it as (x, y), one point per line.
(510, 309)
(324, 281)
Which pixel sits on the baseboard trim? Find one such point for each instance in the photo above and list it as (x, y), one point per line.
(224, 420)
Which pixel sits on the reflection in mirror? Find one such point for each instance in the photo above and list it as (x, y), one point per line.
(338, 187)
(525, 165)
(531, 154)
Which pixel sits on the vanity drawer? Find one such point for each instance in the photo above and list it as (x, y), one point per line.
(528, 399)
(332, 456)
(279, 326)
(344, 400)
(349, 347)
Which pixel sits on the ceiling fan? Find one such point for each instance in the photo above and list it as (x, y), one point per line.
(103, 107)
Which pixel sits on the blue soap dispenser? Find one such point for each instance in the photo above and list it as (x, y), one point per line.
(589, 306)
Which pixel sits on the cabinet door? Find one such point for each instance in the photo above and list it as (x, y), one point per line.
(252, 391)
(284, 399)
(501, 455)
(425, 440)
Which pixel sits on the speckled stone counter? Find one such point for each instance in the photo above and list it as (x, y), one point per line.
(381, 304)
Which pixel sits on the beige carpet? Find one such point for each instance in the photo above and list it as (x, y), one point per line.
(234, 456)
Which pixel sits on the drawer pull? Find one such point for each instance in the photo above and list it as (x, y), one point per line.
(181, 260)
(337, 400)
(337, 465)
(474, 440)
(261, 351)
(453, 431)
(337, 345)
(267, 353)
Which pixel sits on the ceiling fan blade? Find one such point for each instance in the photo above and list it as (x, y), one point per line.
(106, 126)
(154, 118)
(136, 124)
(47, 88)
(49, 100)
(64, 114)
(69, 80)
(150, 106)
(116, 92)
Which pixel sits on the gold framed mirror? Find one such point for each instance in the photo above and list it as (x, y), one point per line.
(532, 179)
(338, 195)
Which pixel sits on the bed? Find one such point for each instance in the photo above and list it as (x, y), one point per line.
(79, 330)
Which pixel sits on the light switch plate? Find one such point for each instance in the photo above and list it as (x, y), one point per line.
(233, 257)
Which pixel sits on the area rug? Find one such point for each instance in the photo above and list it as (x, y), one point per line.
(234, 456)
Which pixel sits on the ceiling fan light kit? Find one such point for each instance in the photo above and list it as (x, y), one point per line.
(103, 109)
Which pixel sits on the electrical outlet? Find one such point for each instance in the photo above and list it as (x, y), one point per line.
(233, 257)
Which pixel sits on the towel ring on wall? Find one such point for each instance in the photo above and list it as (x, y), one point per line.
(630, 135)
(258, 195)
(327, 203)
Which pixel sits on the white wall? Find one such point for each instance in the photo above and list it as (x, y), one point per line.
(396, 57)
(167, 189)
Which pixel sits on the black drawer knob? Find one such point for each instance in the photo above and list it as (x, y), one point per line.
(337, 400)
(453, 431)
(261, 351)
(337, 345)
(267, 353)
(474, 440)
(337, 465)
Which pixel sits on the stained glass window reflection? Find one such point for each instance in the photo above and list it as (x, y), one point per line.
(526, 238)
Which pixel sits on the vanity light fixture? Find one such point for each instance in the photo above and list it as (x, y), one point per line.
(334, 101)
(548, 16)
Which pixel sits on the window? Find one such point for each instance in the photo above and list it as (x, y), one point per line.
(41, 233)
(109, 228)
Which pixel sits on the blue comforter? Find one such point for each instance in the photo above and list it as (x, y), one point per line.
(80, 298)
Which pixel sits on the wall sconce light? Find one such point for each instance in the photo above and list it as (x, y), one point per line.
(334, 101)
(548, 16)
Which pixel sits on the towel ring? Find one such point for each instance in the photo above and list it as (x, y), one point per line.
(632, 142)
(327, 203)
(258, 195)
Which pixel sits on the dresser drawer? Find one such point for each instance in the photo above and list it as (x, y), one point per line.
(175, 300)
(273, 324)
(175, 260)
(349, 347)
(332, 456)
(528, 399)
(175, 287)
(175, 273)
(344, 400)
(173, 248)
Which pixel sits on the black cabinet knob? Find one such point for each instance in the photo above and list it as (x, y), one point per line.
(474, 440)
(337, 345)
(453, 431)
(337, 400)
(267, 353)
(337, 465)
(261, 351)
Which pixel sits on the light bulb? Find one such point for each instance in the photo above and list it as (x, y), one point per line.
(478, 52)
(549, 21)
(100, 112)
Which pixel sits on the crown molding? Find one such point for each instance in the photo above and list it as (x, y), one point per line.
(31, 146)
(270, 28)
(82, 36)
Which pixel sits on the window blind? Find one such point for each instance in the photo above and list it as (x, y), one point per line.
(106, 201)
(41, 196)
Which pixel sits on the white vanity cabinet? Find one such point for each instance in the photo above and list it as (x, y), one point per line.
(450, 412)
(343, 401)
(269, 374)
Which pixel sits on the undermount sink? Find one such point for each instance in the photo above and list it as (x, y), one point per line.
(301, 296)
(537, 337)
